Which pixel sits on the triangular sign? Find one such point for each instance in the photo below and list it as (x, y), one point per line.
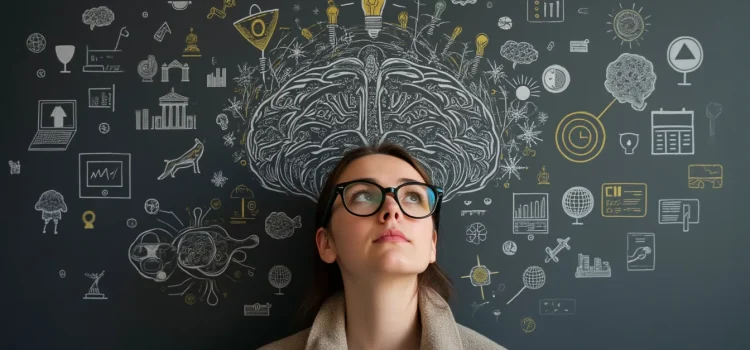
(685, 53)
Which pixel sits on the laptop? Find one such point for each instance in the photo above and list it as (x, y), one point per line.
(56, 125)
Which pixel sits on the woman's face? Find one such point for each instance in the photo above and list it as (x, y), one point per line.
(355, 242)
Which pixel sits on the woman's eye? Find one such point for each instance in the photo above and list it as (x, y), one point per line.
(363, 196)
(414, 197)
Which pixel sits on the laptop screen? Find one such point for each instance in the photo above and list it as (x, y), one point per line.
(57, 115)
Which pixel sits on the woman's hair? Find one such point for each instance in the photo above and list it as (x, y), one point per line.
(327, 277)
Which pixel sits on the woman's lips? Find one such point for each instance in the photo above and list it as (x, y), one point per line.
(391, 235)
(390, 239)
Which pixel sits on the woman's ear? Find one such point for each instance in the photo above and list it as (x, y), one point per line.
(326, 245)
(433, 252)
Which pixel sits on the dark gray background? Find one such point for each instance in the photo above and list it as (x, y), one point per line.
(696, 297)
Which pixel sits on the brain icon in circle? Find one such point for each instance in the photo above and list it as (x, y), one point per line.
(297, 135)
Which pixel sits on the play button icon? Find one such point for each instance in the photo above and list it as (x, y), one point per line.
(685, 55)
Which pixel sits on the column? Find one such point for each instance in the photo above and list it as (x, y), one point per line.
(170, 117)
(163, 115)
(183, 108)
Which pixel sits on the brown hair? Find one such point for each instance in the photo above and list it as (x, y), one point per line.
(327, 277)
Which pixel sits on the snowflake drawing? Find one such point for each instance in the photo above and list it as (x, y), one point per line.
(316, 11)
(219, 179)
(511, 167)
(528, 133)
(297, 52)
(496, 72)
(229, 139)
(511, 146)
(296, 7)
(542, 118)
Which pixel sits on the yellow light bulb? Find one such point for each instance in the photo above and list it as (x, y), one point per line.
(481, 41)
(403, 19)
(456, 32)
(373, 16)
(333, 13)
(373, 7)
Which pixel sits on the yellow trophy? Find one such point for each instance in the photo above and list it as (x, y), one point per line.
(258, 28)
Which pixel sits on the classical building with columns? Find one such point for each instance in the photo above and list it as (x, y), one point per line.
(173, 115)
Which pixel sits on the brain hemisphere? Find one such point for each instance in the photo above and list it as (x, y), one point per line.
(297, 135)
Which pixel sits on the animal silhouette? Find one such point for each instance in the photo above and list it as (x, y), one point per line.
(186, 160)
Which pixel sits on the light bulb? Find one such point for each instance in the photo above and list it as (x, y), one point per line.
(307, 34)
(333, 13)
(403, 19)
(439, 8)
(481, 41)
(373, 16)
(456, 32)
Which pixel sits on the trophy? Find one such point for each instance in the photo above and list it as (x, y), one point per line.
(257, 28)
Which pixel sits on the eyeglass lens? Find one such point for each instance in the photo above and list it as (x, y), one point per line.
(362, 198)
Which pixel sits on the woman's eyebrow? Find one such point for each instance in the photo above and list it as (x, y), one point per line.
(400, 181)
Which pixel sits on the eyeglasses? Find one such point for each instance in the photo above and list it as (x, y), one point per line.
(365, 198)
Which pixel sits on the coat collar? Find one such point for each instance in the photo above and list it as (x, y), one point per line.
(439, 329)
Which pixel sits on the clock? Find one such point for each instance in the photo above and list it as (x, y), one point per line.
(580, 137)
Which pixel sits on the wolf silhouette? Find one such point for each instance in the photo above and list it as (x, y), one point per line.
(186, 160)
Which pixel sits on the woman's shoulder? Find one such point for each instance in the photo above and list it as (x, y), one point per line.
(471, 339)
(295, 341)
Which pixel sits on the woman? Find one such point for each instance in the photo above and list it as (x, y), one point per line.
(376, 284)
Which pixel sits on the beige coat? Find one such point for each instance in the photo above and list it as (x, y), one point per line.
(439, 328)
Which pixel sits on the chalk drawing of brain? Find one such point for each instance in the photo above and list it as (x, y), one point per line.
(297, 135)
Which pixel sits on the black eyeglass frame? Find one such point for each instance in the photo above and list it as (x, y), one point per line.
(339, 191)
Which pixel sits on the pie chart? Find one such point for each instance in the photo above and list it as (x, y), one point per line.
(555, 79)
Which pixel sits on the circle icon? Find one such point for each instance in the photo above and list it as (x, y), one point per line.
(556, 79)
(132, 223)
(489, 4)
(41, 73)
(215, 204)
(510, 248)
(528, 325)
(62, 273)
(476, 233)
(685, 55)
(151, 206)
(36, 43)
(190, 299)
(104, 128)
(580, 137)
(578, 202)
(145, 14)
(505, 23)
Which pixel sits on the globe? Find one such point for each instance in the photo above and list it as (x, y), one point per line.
(578, 202)
(533, 277)
(279, 276)
(36, 43)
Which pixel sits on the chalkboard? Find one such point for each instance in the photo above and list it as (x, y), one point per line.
(165, 158)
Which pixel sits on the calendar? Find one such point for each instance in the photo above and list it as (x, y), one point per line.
(672, 132)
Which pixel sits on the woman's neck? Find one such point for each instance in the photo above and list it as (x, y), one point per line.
(382, 314)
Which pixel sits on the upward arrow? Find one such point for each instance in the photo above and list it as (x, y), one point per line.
(58, 112)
